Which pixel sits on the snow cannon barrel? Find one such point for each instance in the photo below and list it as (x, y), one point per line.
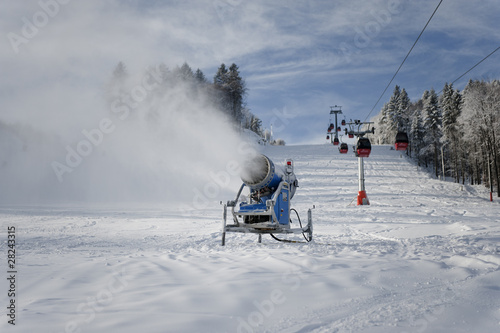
(260, 173)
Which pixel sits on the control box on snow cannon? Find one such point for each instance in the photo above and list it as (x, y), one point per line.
(266, 208)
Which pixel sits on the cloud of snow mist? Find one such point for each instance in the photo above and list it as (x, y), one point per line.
(151, 143)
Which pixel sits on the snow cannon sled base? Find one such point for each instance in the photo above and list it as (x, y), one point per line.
(268, 209)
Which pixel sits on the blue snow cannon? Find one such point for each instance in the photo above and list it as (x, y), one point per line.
(264, 180)
(266, 209)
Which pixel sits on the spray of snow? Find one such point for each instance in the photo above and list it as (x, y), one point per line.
(146, 145)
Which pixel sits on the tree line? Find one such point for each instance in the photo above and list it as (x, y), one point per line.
(455, 131)
(227, 91)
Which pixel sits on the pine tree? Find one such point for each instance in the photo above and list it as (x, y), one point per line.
(220, 77)
(232, 91)
(450, 105)
(185, 72)
(402, 115)
(116, 86)
(165, 74)
(237, 91)
(120, 72)
(393, 114)
(382, 123)
(417, 131)
(200, 77)
(432, 125)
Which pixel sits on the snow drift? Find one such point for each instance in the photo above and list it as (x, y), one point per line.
(423, 257)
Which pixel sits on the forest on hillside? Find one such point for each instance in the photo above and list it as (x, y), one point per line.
(455, 131)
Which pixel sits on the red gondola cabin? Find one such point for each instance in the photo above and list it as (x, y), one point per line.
(363, 147)
(401, 141)
(343, 148)
(336, 141)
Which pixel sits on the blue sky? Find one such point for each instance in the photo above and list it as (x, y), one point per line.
(298, 57)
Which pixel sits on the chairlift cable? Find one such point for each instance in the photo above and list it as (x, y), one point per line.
(472, 68)
(388, 85)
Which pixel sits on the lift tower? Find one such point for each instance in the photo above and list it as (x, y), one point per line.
(363, 149)
(336, 109)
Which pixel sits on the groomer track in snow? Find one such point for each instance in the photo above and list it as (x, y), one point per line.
(424, 256)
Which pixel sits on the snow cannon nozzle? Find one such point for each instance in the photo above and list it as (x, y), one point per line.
(259, 173)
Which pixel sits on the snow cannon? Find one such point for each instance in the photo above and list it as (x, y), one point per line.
(262, 177)
(265, 209)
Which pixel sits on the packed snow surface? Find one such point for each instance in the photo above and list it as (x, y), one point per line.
(424, 256)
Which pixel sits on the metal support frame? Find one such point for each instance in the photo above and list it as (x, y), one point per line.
(272, 227)
(358, 124)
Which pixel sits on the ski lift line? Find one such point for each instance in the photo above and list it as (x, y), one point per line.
(407, 55)
(472, 67)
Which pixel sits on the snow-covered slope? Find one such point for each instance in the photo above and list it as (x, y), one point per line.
(423, 257)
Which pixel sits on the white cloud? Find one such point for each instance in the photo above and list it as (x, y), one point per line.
(278, 45)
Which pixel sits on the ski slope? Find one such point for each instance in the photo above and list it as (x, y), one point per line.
(424, 256)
